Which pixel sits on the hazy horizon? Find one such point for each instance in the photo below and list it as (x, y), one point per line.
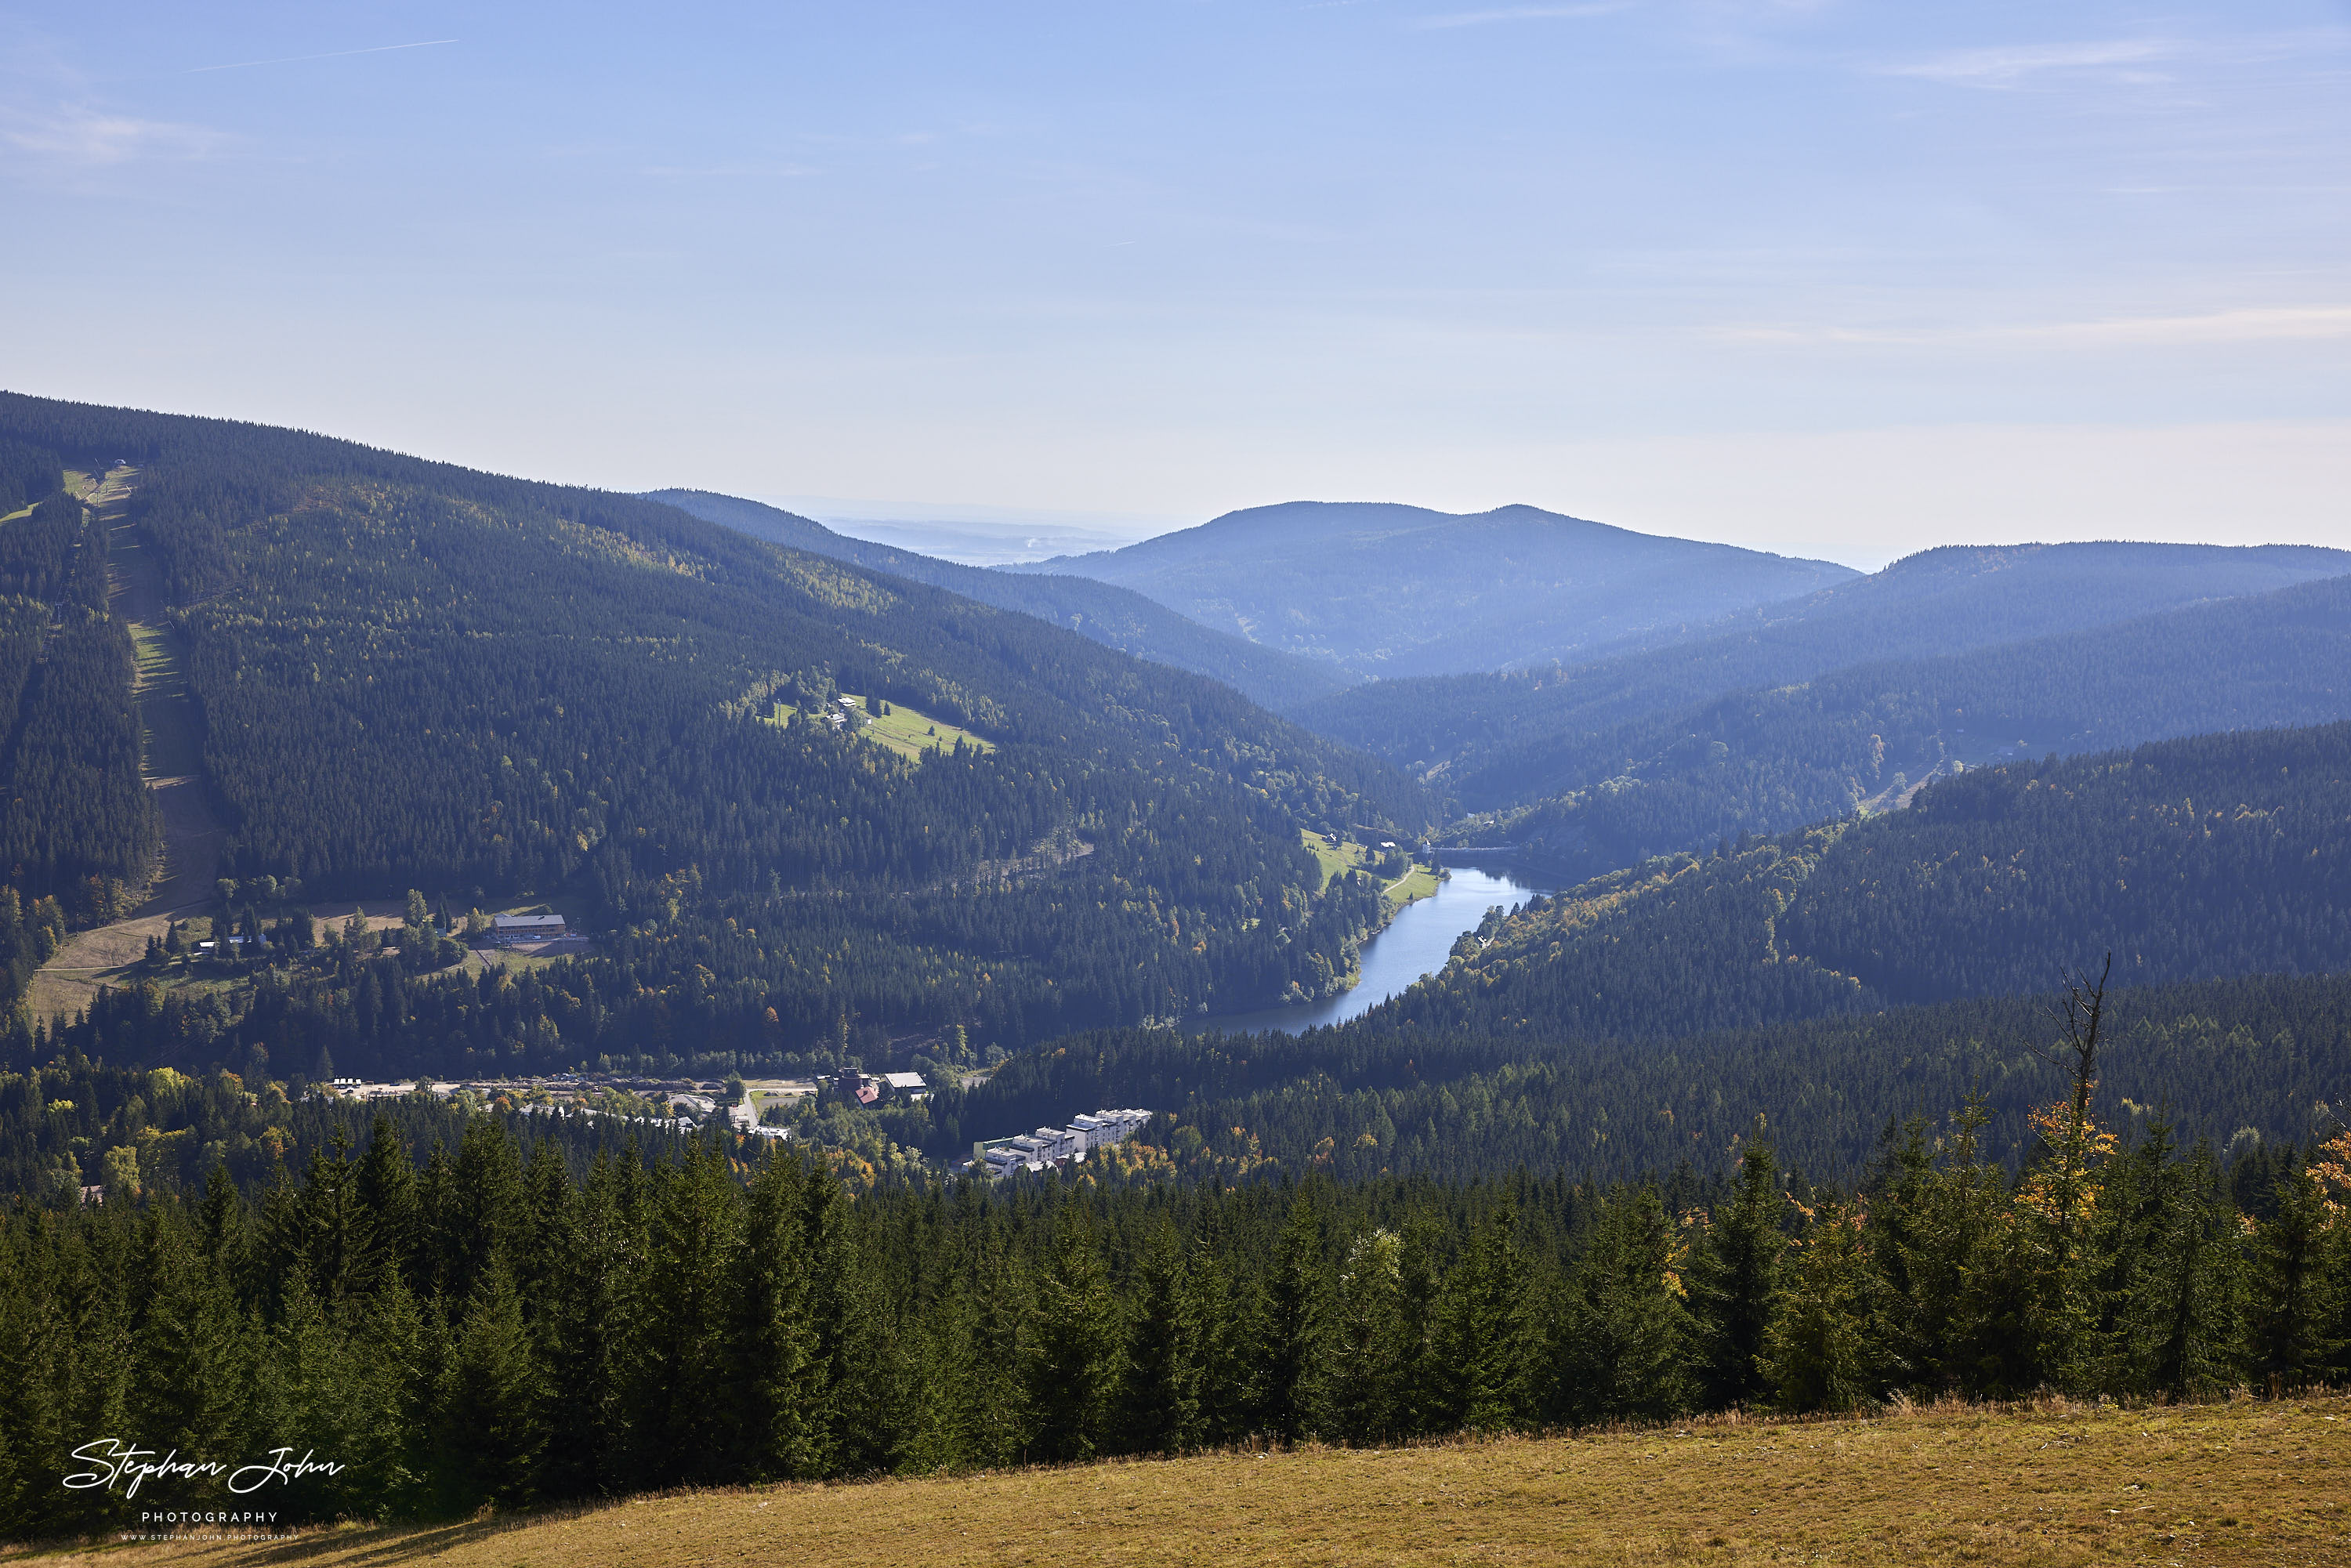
(1824, 276)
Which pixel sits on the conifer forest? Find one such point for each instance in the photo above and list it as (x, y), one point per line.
(1836, 1049)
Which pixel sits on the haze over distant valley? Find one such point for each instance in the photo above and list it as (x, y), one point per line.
(1384, 590)
(1598, 718)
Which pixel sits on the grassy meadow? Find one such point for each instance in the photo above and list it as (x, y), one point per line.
(1415, 884)
(902, 730)
(910, 734)
(2050, 1485)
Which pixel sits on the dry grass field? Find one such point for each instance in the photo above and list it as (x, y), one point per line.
(2240, 1483)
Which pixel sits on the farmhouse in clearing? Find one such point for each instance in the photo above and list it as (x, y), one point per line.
(506, 930)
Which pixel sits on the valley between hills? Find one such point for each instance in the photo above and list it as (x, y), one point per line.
(608, 1015)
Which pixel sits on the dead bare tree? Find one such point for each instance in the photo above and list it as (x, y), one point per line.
(2079, 1014)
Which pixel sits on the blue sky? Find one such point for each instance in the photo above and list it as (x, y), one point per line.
(1843, 278)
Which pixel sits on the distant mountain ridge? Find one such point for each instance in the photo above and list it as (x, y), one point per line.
(1949, 600)
(1770, 759)
(1115, 617)
(1388, 590)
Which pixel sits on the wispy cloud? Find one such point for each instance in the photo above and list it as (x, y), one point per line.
(2006, 66)
(2128, 59)
(330, 55)
(77, 134)
(1520, 14)
(735, 170)
(2265, 324)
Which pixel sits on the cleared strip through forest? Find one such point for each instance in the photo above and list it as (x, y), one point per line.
(170, 765)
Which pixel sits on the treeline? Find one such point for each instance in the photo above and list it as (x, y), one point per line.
(756, 982)
(2186, 859)
(56, 554)
(27, 473)
(28, 936)
(129, 1134)
(485, 1329)
(1769, 761)
(2252, 1064)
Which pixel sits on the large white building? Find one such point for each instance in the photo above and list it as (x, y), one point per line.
(1058, 1145)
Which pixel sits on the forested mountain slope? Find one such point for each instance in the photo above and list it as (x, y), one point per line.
(2205, 857)
(479, 1333)
(1394, 591)
(1937, 603)
(1768, 761)
(1831, 983)
(2250, 1063)
(1115, 617)
(411, 676)
(76, 826)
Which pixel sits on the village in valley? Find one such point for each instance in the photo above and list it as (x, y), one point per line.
(758, 1108)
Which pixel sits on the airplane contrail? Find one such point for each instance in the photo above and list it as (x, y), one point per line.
(330, 55)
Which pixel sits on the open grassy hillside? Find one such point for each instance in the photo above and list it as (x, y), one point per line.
(2057, 1485)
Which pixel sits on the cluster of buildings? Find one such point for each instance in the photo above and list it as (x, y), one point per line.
(867, 1088)
(1056, 1146)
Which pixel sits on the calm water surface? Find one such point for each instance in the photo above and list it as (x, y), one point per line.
(1415, 943)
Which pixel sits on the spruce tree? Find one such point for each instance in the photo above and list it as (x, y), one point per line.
(312, 1402)
(682, 1398)
(192, 1346)
(1734, 1281)
(1160, 1401)
(336, 1240)
(1817, 1352)
(1368, 1396)
(397, 1403)
(1229, 1334)
(1622, 1344)
(1293, 1315)
(481, 1212)
(1484, 1329)
(583, 1329)
(774, 1370)
(491, 1411)
(2189, 1297)
(1072, 1361)
(38, 1427)
(2295, 1288)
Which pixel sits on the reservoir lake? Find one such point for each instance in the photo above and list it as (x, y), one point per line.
(1415, 943)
